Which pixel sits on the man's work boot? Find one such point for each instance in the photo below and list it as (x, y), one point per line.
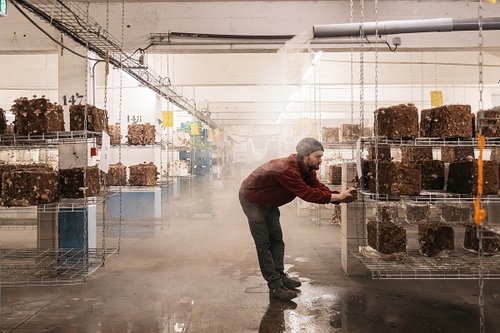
(289, 282)
(282, 293)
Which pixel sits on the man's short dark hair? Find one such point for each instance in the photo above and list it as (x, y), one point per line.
(308, 146)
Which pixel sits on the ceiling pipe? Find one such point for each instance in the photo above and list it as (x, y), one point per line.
(407, 26)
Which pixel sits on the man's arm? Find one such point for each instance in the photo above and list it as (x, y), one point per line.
(294, 183)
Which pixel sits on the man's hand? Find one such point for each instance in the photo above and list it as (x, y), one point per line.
(345, 197)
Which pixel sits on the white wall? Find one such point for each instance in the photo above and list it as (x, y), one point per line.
(27, 75)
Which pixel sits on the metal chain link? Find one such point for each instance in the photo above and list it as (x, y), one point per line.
(46, 76)
(319, 125)
(120, 109)
(435, 71)
(85, 99)
(412, 97)
(362, 61)
(351, 20)
(161, 124)
(422, 79)
(105, 107)
(375, 126)
(169, 108)
(107, 19)
(480, 228)
(376, 59)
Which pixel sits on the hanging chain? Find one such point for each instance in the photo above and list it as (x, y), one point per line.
(362, 62)
(480, 57)
(85, 167)
(411, 78)
(376, 60)
(46, 77)
(435, 71)
(105, 107)
(162, 129)
(375, 126)
(319, 97)
(170, 136)
(480, 228)
(422, 79)
(351, 20)
(120, 109)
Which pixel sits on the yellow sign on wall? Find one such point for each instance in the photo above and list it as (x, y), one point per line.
(195, 129)
(436, 98)
(216, 136)
(167, 119)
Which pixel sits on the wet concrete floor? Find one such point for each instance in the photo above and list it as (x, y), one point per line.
(201, 275)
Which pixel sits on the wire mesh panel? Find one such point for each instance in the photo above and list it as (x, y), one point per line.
(460, 264)
(38, 267)
(457, 260)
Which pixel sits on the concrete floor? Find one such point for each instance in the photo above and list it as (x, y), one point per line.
(201, 275)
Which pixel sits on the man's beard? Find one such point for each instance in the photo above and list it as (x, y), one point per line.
(313, 166)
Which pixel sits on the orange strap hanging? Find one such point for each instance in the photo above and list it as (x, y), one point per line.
(479, 213)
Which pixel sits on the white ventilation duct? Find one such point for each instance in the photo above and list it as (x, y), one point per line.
(407, 26)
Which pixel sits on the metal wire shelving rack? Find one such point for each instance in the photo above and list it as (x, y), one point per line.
(16, 141)
(429, 142)
(54, 266)
(28, 266)
(49, 267)
(459, 263)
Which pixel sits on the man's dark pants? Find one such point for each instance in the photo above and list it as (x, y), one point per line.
(266, 231)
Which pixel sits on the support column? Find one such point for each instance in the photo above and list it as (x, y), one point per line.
(352, 226)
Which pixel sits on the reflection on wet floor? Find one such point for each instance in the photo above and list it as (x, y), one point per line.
(183, 315)
(315, 310)
(320, 309)
(273, 320)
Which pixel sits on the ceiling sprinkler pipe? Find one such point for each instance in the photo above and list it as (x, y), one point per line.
(401, 27)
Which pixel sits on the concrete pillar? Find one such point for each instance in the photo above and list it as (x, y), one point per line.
(352, 226)
(72, 78)
(47, 228)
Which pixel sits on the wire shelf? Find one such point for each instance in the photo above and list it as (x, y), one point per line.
(429, 142)
(460, 264)
(66, 203)
(340, 145)
(32, 140)
(431, 196)
(40, 267)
